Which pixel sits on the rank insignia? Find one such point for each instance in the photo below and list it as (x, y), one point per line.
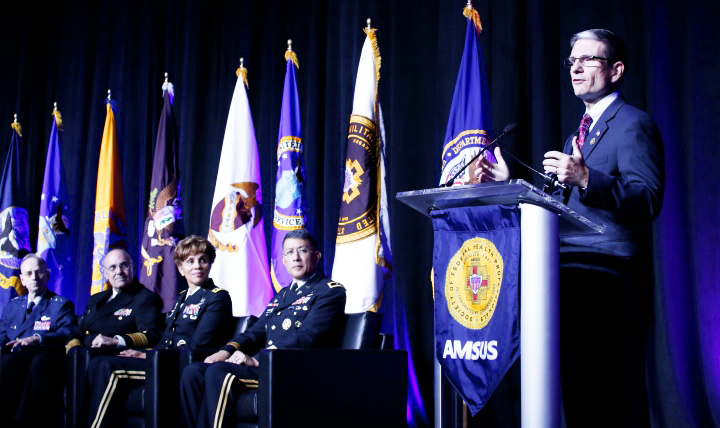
(592, 141)
(123, 312)
(286, 323)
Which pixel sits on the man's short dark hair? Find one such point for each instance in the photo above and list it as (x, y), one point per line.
(615, 49)
(301, 234)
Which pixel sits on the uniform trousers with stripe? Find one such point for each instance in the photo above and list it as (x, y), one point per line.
(111, 379)
(208, 394)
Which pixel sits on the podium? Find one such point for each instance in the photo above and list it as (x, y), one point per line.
(543, 219)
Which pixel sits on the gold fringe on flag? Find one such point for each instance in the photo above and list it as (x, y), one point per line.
(470, 13)
(376, 52)
(16, 126)
(290, 55)
(242, 71)
(58, 119)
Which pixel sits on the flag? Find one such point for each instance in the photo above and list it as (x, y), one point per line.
(14, 227)
(470, 123)
(236, 223)
(164, 222)
(109, 226)
(56, 237)
(362, 250)
(290, 179)
(476, 260)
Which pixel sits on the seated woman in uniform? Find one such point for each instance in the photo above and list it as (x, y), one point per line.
(201, 318)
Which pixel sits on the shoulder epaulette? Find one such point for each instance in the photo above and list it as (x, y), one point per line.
(59, 299)
(217, 289)
(333, 284)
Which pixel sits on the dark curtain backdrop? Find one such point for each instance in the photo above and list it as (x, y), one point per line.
(72, 52)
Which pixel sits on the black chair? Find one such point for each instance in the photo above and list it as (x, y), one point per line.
(363, 384)
(153, 405)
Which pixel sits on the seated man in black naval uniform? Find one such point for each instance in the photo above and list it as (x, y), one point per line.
(201, 318)
(39, 318)
(306, 314)
(126, 315)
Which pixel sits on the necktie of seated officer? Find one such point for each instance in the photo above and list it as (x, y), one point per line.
(29, 310)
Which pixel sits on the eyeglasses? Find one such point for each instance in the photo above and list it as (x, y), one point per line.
(121, 266)
(585, 61)
(303, 251)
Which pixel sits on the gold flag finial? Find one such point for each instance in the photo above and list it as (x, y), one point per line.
(471, 13)
(242, 71)
(58, 117)
(16, 126)
(290, 54)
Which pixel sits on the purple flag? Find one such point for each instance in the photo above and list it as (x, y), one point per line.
(163, 226)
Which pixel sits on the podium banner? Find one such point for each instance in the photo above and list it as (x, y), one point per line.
(476, 262)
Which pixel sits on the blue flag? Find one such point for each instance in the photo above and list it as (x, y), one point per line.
(476, 260)
(469, 126)
(14, 230)
(290, 180)
(55, 241)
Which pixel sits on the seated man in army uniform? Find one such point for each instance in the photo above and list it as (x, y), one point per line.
(126, 315)
(39, 318)
(201, 318)
(307, 314)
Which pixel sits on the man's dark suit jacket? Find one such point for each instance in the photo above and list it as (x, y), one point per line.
(624, 153)
(53, 319)
(134, 315)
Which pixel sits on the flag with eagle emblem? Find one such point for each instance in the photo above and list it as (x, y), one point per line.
(236, 224)
(164, 222)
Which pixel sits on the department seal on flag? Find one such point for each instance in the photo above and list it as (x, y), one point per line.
(472, 284)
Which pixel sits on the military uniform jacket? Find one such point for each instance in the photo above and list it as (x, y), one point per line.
(310, 317)
(203, 320)
(134, 314)
(53, 319)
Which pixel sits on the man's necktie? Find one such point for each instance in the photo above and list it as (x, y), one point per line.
(29, 310)
(584, 129)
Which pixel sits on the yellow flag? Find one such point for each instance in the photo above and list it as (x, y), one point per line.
(109, 228)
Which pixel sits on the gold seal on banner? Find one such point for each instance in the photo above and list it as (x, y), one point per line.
(472, 283)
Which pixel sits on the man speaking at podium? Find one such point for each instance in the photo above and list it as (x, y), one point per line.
(613, 170)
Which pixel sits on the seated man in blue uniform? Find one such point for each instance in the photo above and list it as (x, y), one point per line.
(201, 318)
(39, 318)
(126, 315)
(306, 314)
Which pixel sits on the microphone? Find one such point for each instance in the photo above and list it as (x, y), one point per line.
(508, 130)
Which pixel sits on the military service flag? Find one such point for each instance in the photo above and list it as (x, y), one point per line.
(14, 227)
(469, 126)
(290, 179)
(362, 251)
(163, 225)
(476, 260)
(236, 223)
(109, 228)
(56, 241)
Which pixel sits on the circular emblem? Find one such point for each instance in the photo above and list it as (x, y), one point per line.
(286, 323)
(472, 283)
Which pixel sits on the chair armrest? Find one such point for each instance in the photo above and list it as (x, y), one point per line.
(369, 385)
(387, 341)
(162, 386)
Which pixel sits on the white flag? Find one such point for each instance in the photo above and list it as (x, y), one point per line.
(236, 223)
(362, 252)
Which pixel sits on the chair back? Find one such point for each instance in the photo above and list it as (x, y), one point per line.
(362, 331)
